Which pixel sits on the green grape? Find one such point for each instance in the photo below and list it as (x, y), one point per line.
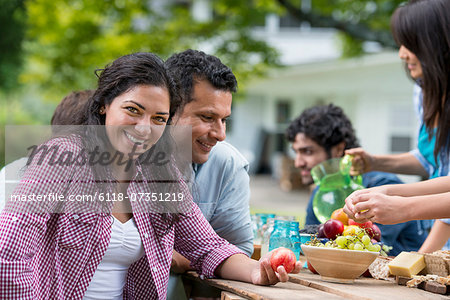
(350, 238)
(371, 248)
(358, 246)
(341, 241)
(377, 248)
(351, 246)
(329, 244)
(359, 232)
(387, 248)
(365, 240)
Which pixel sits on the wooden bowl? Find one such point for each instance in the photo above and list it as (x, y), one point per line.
(338, 265)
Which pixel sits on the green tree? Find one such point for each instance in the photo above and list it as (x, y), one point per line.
(12, 32)
(67, 40)
(358, 20)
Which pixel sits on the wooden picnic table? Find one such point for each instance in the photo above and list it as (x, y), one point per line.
(306, 285)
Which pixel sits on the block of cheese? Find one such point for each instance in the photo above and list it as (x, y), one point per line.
(407, 264)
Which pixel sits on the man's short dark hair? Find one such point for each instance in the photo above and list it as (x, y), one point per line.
(191, 66)
(327, 125)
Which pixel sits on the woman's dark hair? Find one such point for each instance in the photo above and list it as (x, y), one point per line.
(125, 73)
(423, 27)
(327, 125)
(120, 76)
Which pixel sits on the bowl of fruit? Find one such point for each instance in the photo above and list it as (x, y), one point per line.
(346, 254)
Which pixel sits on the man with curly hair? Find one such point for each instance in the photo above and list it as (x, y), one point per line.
(324, 132)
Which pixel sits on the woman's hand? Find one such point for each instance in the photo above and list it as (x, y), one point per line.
(349, 207)
(264, 275)
(362, 161)
(369, 205)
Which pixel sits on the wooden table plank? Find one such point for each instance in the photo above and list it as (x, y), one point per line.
(230, 296)
(285, 291)
(363, 288)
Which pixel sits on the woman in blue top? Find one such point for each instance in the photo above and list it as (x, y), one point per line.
(421, 29)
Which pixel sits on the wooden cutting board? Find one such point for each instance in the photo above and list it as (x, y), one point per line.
(363, 288)
(285, 291)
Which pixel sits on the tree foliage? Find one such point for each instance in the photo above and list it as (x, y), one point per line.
(12, 32)
(358, 20)
(67, 40)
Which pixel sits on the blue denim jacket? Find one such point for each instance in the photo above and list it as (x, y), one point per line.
(407, 236)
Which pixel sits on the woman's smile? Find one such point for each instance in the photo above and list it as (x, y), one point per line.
(136, 119)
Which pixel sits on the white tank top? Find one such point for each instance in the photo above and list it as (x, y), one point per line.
(125, 247)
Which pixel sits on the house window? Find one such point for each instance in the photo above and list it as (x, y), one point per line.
(289, 21)
(280, 143)
(400, 143)
(283, 111)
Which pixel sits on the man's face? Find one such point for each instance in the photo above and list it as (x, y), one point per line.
(308, 154)
(206, 114)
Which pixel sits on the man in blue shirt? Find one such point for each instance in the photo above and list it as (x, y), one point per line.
(324, 132)
(221, 182)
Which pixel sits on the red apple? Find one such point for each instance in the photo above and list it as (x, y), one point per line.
(365, 225)
(374, 232)
(310, 267)
(283, 257)
(320, 233)
(332, 228)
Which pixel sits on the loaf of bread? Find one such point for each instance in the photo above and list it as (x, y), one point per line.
(436, 264)
(379, 268)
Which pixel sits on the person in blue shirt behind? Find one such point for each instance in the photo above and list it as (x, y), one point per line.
(324, 132)
(221, 181)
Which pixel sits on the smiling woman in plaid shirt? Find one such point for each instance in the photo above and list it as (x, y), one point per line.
(112, 249)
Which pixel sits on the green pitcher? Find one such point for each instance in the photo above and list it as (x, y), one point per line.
(335, 184)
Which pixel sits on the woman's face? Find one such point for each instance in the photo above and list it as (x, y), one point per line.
(137, 118)
(411, 60)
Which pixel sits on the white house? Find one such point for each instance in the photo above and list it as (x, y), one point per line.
(373, 91)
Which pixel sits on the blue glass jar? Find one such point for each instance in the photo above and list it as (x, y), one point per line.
(266, 236)
(295, 238)
(280, 236)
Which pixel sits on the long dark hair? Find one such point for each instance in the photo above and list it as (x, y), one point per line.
(423, 27)
(115, 79)
(125, 73)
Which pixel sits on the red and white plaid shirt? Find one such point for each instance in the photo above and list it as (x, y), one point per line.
(55, 255)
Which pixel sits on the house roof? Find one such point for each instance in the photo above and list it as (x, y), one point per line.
(378, 73)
